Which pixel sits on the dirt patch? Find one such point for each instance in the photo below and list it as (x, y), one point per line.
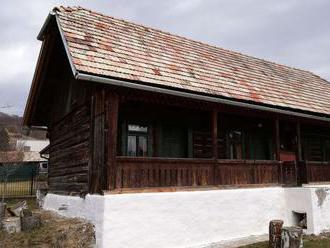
(56, 231)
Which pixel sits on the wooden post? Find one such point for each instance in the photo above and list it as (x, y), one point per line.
(277, 139)
(98, 169)
(275, 230)
(300, 170)
(214, 134)
(31, 186)
(112, 122)
(277, 148)
(299, 153)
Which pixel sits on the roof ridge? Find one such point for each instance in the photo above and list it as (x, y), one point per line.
(77, 8)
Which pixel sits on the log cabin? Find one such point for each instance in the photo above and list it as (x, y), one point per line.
(131, 109)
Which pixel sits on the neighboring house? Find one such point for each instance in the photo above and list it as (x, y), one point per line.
(131, 109)
(31, 144)
(21, 156)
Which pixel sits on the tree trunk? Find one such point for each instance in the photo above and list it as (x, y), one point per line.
(275, 230)
(292, 237)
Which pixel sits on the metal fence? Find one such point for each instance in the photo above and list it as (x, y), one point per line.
(18, 179)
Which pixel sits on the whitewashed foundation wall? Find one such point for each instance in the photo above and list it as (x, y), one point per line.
(193, 219)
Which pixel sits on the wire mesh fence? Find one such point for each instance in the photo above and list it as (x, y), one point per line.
(18, 179)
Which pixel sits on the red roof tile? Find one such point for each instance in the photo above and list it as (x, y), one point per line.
(110, 47)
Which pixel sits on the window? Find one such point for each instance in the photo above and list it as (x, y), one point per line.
(137, 141)
(173, 141)
(235, 141)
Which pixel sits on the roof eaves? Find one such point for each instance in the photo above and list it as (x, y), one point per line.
(122, 83)
(51, 15)
(73, 68)
(45, 26)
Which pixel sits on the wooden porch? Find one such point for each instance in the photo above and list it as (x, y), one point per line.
(162, 172)
(142, 173)
(211, 161)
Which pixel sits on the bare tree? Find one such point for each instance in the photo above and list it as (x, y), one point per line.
(4, 139)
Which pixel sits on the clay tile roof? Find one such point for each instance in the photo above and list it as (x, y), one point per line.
(115, 48)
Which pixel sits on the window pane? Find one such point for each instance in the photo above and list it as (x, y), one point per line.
(142, 148)
(235, 142)
(137, 128)
(131, 146)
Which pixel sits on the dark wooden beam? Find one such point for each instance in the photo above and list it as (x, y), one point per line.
(277, 138)
(112, 106)
(214, 133)
(97, 180)
(299, 149)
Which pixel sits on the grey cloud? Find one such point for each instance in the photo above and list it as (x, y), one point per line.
(292, 32)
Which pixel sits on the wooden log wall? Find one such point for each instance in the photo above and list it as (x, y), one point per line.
(69, 152)
(159, 172)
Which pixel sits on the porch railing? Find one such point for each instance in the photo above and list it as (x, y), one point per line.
(167, 172)
(163, 172)
(317, 171)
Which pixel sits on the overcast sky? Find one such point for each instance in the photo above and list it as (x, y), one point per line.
(291, 32)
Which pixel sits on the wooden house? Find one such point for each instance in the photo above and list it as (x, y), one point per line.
(133, 109)
(129, 107)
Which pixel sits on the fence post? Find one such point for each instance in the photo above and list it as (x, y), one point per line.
(32, 181)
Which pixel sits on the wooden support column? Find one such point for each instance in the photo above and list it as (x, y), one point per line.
(299, 151)
(277, 148)
(277, 138)
(97, 180)
(112, 105)
(214, 133)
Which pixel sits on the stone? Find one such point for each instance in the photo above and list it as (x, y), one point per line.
(30, 222)
(292, 237)
(26, 212)
(2, 210)
(275, 231)
(12, 224)
(17, 208)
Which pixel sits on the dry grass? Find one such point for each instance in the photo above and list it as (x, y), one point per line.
(322, 241)
(56, 231)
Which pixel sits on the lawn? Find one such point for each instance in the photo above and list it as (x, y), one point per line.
(322, 241)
